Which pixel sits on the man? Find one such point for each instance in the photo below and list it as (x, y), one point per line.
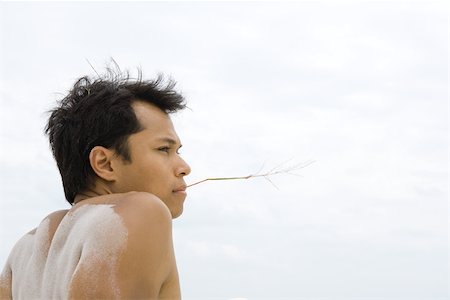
(117, 152)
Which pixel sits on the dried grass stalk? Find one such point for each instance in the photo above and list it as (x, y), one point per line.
(274, 171)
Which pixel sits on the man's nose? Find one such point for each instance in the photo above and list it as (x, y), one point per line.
(184, 169)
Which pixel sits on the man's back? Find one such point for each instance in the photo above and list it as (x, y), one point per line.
(114, 246)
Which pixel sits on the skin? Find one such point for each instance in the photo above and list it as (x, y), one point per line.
(146, 194)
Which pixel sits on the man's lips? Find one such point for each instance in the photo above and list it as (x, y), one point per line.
(181, 189)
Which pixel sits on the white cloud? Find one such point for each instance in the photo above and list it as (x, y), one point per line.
(360, 87)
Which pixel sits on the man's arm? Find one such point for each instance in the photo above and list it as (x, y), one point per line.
(148, 262)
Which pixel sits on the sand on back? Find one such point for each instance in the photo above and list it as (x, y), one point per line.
(44, 261)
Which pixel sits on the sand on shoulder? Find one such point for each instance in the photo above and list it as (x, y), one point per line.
(87, 238)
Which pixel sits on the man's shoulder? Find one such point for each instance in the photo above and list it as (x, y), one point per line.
(146, 259)
(131, 207)
(149, 225)
(144, 215)
(141, 204)
(133, 214)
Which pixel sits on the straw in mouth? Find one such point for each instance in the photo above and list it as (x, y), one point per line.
(274, 171)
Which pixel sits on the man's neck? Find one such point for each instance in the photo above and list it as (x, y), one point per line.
(99, 190)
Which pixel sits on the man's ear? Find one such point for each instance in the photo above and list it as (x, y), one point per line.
(100, 159)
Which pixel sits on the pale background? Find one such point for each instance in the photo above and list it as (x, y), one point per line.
(360, 87)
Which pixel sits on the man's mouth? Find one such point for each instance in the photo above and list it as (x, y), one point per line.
(181, 189)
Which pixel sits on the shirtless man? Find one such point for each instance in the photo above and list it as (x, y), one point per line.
(117, 152)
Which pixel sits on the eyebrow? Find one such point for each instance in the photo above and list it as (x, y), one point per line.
(169, 140)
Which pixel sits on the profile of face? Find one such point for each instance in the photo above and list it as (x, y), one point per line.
(156, 166)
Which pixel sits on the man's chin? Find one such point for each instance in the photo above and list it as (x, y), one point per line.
(177, 213)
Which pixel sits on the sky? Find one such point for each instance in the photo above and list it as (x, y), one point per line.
(359, 87)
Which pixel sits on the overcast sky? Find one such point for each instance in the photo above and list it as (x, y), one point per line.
(360, 87)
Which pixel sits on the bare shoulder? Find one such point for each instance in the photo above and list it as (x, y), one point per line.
(132, 204)
(141, 213)
(149, 260)
(140, 208)
(138, 213)
(146, 263)
(134, 209)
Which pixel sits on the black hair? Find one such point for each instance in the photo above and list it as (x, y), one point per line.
(98, 112)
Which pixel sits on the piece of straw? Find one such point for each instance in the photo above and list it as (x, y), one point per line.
(277, 170)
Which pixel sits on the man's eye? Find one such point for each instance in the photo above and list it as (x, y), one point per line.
(167, 149)
(164, 149)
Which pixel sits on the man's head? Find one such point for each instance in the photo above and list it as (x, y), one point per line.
(109, 122)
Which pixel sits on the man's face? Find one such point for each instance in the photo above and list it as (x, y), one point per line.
(156, 166)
